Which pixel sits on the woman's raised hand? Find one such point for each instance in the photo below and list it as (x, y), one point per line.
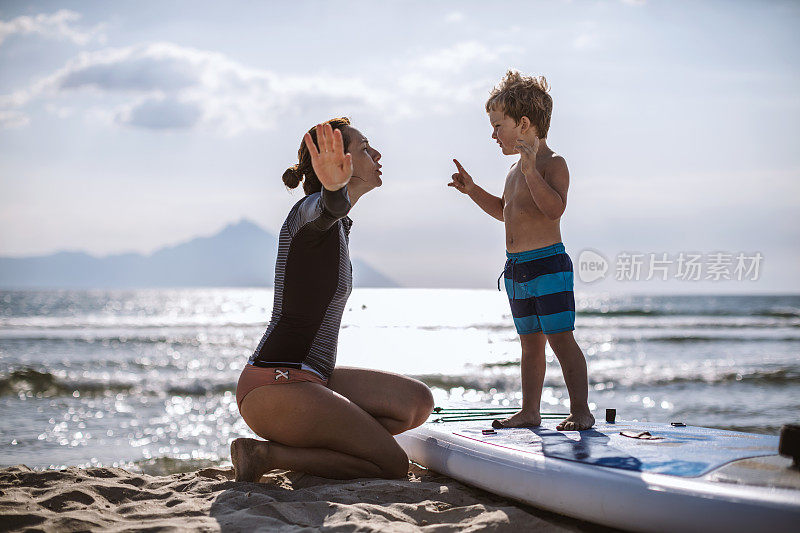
(462, 181)
(331, 165)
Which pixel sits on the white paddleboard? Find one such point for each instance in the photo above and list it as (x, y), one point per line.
(677, 479)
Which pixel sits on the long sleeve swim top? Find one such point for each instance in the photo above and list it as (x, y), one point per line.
(313, 279)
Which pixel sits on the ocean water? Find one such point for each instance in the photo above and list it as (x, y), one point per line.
(145, 379)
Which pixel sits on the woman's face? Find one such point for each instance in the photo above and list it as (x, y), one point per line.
(365, 159)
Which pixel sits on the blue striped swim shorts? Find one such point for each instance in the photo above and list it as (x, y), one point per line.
(539, 284)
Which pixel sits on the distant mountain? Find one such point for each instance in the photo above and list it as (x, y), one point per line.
(240, 255)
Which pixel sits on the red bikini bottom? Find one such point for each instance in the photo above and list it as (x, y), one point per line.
(256, 376)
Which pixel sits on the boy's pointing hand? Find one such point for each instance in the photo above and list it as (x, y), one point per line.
(462, 181)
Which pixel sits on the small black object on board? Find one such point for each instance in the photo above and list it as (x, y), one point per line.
(789, 445)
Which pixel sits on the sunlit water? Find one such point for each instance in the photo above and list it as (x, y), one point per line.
(146, 379)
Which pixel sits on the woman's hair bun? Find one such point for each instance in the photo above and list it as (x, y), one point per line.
(292, 177)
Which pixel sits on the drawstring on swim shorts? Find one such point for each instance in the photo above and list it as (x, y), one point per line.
(513, 263)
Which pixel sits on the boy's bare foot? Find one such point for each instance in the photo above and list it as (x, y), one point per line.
(520, 419)
(249, 458)
(576, 422)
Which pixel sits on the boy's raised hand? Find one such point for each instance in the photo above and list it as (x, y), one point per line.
(527, 154)
(461, 180)
(331, 165)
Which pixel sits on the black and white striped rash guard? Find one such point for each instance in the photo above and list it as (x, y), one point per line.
(313, 279)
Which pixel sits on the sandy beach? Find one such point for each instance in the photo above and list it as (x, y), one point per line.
(81, 499)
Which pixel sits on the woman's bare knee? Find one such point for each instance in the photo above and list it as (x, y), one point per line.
(397, 402)
(417, 407)
(423, 406)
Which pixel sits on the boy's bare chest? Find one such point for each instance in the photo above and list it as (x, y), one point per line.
(517, 193)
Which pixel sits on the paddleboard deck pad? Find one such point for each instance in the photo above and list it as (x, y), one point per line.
(631, 475)
(640, 447)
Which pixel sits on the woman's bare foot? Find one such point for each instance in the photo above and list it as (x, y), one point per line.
(577, 421)
(520, 419)
(249, 458)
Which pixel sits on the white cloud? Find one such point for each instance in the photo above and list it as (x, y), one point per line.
(586, 41)
(589, 36)
(440, 94)
(461, 55)
(161, 113)
(58, 25)
(167, 86)
(12, 119)
(171, 86)
(454, 17)
(62, 112)
(156, 67)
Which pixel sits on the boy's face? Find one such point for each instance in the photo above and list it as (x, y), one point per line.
(505, 131)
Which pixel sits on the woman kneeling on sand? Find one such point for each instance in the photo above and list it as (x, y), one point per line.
(326, 421)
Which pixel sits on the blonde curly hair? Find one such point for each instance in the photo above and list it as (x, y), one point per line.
(523, 96)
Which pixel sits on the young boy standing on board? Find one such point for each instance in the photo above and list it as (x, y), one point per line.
(538, 272)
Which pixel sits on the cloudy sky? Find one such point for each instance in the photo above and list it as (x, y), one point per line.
(127, 126)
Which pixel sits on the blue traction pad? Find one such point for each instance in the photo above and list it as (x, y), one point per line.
(684, 451)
